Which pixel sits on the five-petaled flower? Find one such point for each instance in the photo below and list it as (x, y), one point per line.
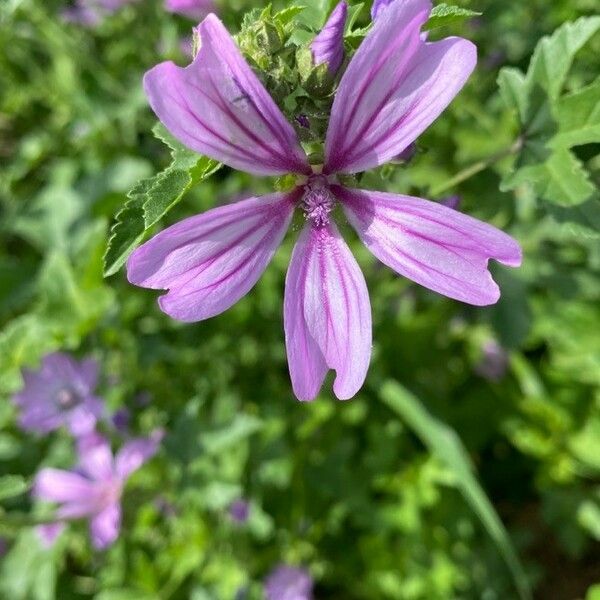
(94, 490)
(60, 392)
(395, 86)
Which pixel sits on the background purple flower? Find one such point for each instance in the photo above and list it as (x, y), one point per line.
(494, 361)
(121, 420)
(451, 201)
(239, 511)
(94, 490)
(193, 9)
(60, 392)
(288, 583)
(49, 533)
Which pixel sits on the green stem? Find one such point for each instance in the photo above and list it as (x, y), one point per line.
(478, 167)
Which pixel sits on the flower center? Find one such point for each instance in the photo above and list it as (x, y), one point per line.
(317, 201)
(66, 398)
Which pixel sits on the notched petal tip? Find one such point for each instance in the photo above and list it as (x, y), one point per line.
(327, 315)
(434, 245)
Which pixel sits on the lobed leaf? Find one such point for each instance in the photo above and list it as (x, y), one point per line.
(152, 198)
(446, 14)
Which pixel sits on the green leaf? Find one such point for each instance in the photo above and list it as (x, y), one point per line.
(446, 445)
(554, 54)
(579, 117)
(22, 342)
(287, 15)
(239, 429)
(514, 90)
(12, 485)
(561, 178)
(582, 219)
(150, 199)
(551, 125)
(446, 14)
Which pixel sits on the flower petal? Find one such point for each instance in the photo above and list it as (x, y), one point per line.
(379, 6)
(210, 261)
(134, 454)
(105, 526)
(327, 315)
(95, 457)
(218, 107)
(434, 245)
(328, 45)
(56, 485)
(394, 88)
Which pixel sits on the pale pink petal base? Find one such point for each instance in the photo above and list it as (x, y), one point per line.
(210, 261)
(434, 245)
(327, 315)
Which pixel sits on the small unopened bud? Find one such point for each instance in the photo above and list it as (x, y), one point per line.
(328, 46)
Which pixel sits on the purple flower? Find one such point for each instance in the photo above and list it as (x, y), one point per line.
(239, 511)
(288, 583)
(328, 45)
(494, 361)
(193, 9)
(90, 13)
(94, 490)
(81, 13)
(121, 420)
(60, 392)
(451, 201)
(49, 533)
(393, 89)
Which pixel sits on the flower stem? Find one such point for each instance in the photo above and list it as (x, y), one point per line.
(477, 167)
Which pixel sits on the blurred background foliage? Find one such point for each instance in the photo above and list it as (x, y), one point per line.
(351, 490)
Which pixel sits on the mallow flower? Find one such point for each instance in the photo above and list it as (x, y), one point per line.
(288, 583)
(192, 9)
(60, 392)
(394, 87)
(379, 6)
(93, 491)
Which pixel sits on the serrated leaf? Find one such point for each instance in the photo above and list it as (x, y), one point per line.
(561, 179)
(554, 54)
(552, 125)
(443, 442)
(152, 198)
(446, 14)
(12, 485)
(582, 220)
(287, 15)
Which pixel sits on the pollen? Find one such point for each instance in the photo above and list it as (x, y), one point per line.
(317, 201)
